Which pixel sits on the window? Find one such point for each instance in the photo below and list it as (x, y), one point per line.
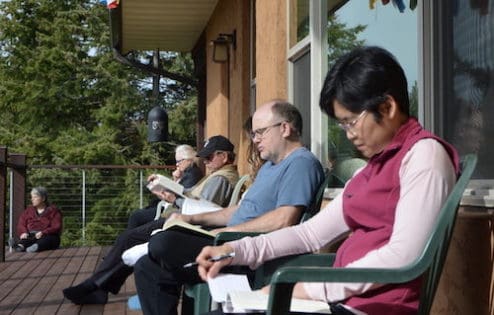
(464, 108)
(352, 23)
(299, 21)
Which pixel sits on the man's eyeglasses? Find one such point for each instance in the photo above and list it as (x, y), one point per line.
(179, 161)
(258, 133)
(348, 126)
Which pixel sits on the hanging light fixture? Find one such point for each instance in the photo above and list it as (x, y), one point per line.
(157, 125)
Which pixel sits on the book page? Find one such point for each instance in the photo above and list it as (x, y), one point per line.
(194, 206)
(236, 296)
(179, 225)
(220, 285)
(258, 301)
(161, 183)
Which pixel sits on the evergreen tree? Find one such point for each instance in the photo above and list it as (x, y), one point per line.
(65, 99)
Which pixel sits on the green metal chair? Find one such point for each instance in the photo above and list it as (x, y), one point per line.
(200, 292)
(343, 170)
(237, 190)
(317, 267)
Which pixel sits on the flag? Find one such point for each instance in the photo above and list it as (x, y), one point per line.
(112, 4)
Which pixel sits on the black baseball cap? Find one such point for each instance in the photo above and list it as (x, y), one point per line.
(216, 143)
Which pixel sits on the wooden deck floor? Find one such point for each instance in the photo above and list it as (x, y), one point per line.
(32, 283)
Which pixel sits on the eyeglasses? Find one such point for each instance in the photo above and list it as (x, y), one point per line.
(179, 161)
(212, 155)
(348, 126)
(259, 133)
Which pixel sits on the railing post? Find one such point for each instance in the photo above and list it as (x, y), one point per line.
(140, 190)
(84, 207)
(18, 162)
(3, 200)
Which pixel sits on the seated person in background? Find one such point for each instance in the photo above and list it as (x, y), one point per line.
(283, 188)
(111, 273)
(253, 155)
(40, 225)
(390, 206)
(218, 157)
(187, 174)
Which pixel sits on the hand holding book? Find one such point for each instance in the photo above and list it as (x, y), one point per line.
(160, 183)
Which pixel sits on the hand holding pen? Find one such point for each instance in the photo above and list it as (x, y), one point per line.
(212, 258)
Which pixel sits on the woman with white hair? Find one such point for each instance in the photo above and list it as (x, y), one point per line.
(187, 174)
(40, 225)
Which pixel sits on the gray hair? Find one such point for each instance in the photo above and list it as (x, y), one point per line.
(186, 152)
(42, 192)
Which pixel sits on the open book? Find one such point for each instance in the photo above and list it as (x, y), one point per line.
(235, 295)
(179, 225)
(161, 183)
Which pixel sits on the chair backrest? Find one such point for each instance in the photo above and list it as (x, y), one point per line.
(428, 265)
(237, 190)
(343, 170)
(317, 201)
(434, 254)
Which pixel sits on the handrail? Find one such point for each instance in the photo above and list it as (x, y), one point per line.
(64, 191)
(96, 166)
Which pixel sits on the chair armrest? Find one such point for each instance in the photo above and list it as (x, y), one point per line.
(291, 274)
(284, 279)
(264, 273)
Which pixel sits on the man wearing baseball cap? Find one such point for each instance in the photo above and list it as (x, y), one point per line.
(218, 186)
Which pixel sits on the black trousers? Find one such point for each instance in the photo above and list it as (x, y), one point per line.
(141, 217)
(111, 273)
(46, 242)
(160, 274)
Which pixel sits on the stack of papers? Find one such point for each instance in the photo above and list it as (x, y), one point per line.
(235, 295)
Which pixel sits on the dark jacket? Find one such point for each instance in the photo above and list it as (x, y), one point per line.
(192, 175)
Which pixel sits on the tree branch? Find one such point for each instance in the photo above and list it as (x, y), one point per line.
(152, 70)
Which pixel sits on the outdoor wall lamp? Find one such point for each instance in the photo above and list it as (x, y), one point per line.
(221, 46)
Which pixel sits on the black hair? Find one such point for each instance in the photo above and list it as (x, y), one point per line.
(362, 80)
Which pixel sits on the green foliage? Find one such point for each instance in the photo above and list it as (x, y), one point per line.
(182, 118)
(341, 40)
(66, 100)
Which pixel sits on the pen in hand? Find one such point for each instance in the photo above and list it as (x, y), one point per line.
(213, 259)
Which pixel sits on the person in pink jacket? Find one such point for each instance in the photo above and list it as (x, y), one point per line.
(389, 207)
(40, 225)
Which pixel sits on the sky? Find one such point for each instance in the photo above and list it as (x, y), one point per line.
(388, 28)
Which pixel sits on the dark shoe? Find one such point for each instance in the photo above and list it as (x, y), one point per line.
(78, 292)
(96, 297)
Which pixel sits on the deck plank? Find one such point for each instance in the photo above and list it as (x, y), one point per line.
(32, 283)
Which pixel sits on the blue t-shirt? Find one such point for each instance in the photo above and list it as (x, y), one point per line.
(292, 182)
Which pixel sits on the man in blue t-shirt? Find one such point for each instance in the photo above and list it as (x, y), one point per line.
(284, 187)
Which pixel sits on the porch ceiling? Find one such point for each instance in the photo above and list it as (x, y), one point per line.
(168, 25)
